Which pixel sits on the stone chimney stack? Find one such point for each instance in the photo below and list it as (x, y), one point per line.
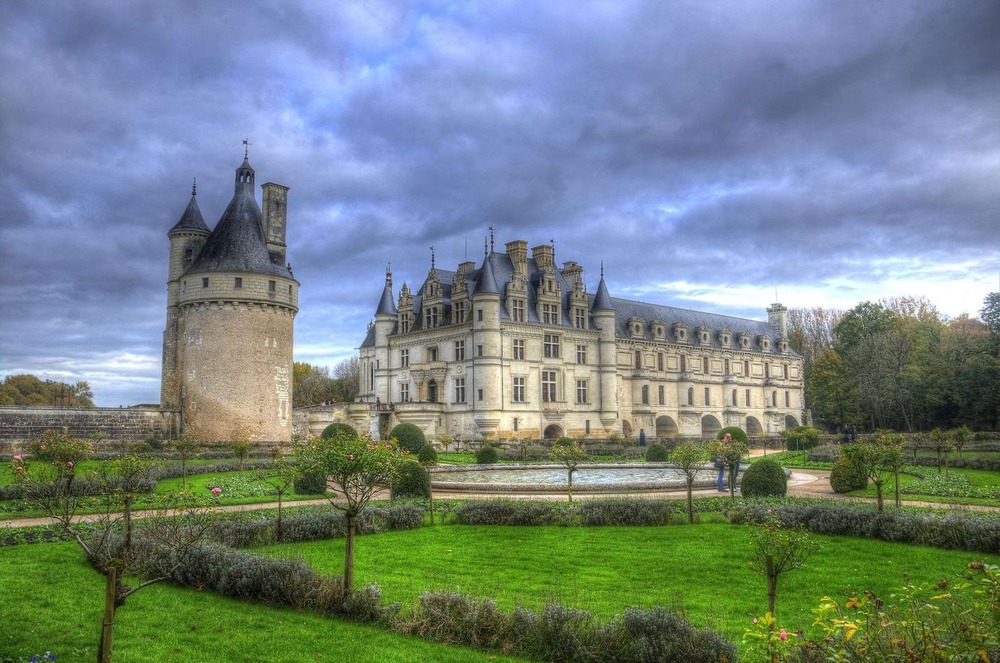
(544, 256)
(777, 317)
(273, 217)
(518, 252)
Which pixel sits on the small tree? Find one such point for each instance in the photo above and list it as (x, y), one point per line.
(690, 457)
(569, 456)
(941, 442)
(877, 459)
(428, 458)
(775, 550)
(186, 447)
(729, 452)
(357, 467)
(960, 436)
(240, 446)
(281, 477)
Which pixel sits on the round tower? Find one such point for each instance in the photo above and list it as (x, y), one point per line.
(604, 320)
(236, 305)
(488, 365)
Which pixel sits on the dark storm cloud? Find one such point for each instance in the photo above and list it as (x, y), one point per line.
(705, 152)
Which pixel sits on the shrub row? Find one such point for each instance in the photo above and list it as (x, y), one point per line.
(958, 530)
(313, 525)
(80, 487)
(590, 512)
(558, 633)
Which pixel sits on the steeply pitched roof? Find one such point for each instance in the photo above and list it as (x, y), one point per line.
(191, 219)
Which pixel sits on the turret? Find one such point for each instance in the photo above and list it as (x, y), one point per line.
(488, 363)
(604, 320)
(385, 321)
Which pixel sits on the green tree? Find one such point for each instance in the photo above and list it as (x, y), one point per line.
(311, 385)
(878, 459)
(281, 477)
(358, 467)
(186, 447)
(26, 389)
(775, 550)
(941, 442)
(689, 458)
(569, 456)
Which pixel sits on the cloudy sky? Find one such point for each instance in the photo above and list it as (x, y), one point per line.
(714, 155)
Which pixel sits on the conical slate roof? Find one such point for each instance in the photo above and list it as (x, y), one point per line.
(602, 300)
(386, 305)
(191, 219)
(487, 281)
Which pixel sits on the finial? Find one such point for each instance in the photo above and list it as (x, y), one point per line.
(194, 187)
(246, 147)
(432, 258)
(486, 247)
(491, 238)
(388, 274)
(602, 269)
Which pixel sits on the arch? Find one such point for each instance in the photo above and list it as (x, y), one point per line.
(553, 432)
(709, 426)
(432, 391)
(753, 427)
(626, 429)
(645, 394)
(666, 427)
(791, 422)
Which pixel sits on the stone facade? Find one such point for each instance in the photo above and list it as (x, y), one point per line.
(516, 348)
(231, 304)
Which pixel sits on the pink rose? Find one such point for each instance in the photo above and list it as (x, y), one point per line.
(350, 456)
(69, 464)
(16, 459)
(216, 491)
(783, 635)
(20, 470)
(41, 448)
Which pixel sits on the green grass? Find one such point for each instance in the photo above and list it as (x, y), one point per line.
(50, 600)
(699, 570)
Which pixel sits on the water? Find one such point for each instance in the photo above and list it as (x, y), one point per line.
(555, 476)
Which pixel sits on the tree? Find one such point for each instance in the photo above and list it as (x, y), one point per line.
(311, 385)
(689, 458)
(428, 458)
(281, 477)
(347, 380)
(878, 458)
(357, 468)
(776, 550)
(569, 456)
(409, 437)
(114, 545)
(941, 442)
(240, 446)
(186, 447)
(26, 389)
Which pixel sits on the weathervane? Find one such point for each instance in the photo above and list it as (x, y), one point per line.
(246, 147)
(432, 258)
(491, 238)
(194, 186)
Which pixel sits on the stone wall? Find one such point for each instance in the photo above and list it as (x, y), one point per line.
(20, 425)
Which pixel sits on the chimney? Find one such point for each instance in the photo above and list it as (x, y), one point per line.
(777, 317)
(273, 216)
(518, 253)
(544, 256)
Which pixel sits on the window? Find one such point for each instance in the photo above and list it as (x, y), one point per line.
(747, 395)
(184, 286)
(432, 354)
(271, 285)
(460, 351)
(725, 367)
(518, 390)
(459, 312)
(704, 365)
(683, 364)
(404, 323)
(659, 361)
(404, 392)
(459, 390)
(581, 354)
(239, 282)
(746, 369)
(479, 350)
(662, 395)
(774, 399)
(517, 310)
(479, 314)
(784, 369)
(188, 254)
(734, 397)
(690, 395)
(787, 400)
(550, 314)
(767, 370)
(518, 348)
(204, 282)
(404, 357)
(581, 391)
(551, 346)
(432, 317)
(708, 396)
(479, 394)
(586, 426)
(515, 424)
(638, 359)
(548, 386)
(645, 394)
(580, 318)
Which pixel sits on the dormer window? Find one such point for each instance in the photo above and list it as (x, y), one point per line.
(725, 337)
(659, 330)
(765, 343)
(784, 346)
(745, 341)
(704, 336)
(680, 332)
(637, 327)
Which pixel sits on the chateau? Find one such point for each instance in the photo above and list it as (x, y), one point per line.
(516, 347)
(231, 302)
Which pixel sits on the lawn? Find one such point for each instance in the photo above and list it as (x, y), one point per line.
(699, 570)
(50, 600)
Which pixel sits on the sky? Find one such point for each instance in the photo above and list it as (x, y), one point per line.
(717, 156)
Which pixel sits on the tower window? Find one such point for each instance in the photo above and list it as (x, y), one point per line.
(518, 348)
(271, 285)
(239, 282)
(204, 282)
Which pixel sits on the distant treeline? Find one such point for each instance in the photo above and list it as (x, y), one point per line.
(30, 390)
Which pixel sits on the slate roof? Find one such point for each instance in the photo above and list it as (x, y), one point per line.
(191, 219)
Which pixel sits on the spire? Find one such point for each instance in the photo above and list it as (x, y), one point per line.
(245, 174)
(191, 219)
(386, 305)
(602, 300)
(487, 283)
(491, 238)
(432, 258)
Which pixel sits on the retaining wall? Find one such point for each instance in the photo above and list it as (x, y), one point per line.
(20, 425)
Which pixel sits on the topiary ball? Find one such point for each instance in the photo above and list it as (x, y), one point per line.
(409, 437)
(764, 478)
(657, 453)
(427, 455)
(333, 430)
(412, 481)
(736, 432)
(310, 483)
(847, 476)
(487, 456)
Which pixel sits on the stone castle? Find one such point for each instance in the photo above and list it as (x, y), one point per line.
(231, 303)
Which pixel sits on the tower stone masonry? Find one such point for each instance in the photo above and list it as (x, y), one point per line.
(231, 304)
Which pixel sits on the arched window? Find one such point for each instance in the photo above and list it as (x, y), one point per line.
(734, 397)
(690, 395)
(645, 394)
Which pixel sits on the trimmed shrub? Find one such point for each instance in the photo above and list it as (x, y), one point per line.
(847, 476)
(658, 635)
(564, 442)
(801, 438)
(626, 512)
(310, 483)
(409, 437)
(428, 455)
(333, 430)
(487, 456)
(764, 478)
(412, 481)
(503, 512)
(826, 453)
(657, 453)
(736, 432)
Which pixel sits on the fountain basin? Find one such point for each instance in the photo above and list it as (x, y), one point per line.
(590, 477)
